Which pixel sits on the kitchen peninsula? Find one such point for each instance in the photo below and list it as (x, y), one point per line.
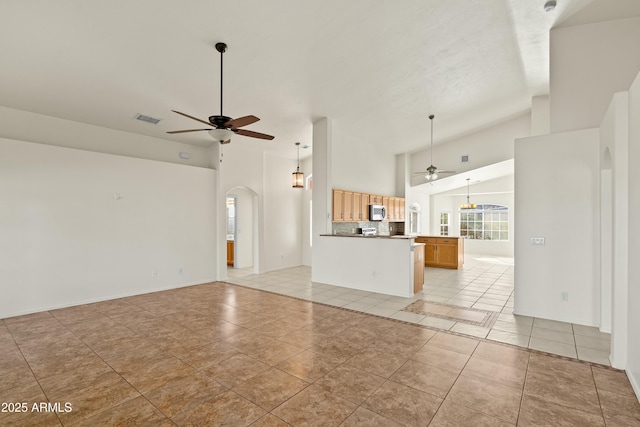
(392, 265)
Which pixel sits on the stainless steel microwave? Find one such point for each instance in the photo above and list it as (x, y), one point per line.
(377, 213)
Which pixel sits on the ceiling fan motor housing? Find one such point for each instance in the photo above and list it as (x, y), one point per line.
(219, 121)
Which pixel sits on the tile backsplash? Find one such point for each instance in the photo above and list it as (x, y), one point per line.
(382, 227)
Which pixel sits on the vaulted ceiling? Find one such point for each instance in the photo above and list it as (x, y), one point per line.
(377, 68)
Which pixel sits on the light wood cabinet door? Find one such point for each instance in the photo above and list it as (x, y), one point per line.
(364, 206)
(430, 249)
(230, 249)
(447, 255)
(338, 209)
(385, 203)
(357, 206)
(347, 206)
(418, 269)
(401, 208)
(442, 252)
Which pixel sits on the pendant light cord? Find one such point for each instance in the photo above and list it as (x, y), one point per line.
(431, 118)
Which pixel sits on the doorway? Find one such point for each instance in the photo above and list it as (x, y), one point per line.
(242, 229)
(231, 230)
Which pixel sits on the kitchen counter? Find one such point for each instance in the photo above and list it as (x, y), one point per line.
(401, 236)
(382, 264)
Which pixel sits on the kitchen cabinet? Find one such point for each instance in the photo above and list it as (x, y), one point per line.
(353, 206)
(360, 207)
(385, 203)
(230, 248)
(347, 206)
(443, 252)
(418, 267)
(374, 199)
(338, 196)
(344, 208)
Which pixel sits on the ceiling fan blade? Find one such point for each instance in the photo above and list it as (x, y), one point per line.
(241, 121)
(191, 117)
(253, 134)
(184, 131)
(446, 171)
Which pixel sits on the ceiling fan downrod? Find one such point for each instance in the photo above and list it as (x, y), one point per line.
(221, 47)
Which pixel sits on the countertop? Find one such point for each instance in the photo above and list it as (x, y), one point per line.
(375, 236)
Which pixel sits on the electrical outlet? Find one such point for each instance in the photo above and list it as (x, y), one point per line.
(564, 296)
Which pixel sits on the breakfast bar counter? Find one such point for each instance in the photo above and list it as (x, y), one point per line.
(382, 264)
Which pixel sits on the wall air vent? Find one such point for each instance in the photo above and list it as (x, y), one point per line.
(464, 159)
(147, 119)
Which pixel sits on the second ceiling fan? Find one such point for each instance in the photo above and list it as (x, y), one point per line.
(221, 127)
(432, 172)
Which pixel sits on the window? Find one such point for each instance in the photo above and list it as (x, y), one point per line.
(485, 222)
(231, 217)
(444, 223)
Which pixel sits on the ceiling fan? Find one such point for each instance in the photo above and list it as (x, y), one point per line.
(222, 128)
(432, 172)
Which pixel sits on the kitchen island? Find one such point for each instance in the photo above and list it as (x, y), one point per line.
(382, 264)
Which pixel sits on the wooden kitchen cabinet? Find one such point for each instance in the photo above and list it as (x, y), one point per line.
(230, 251)
(344, 206)
(347, 206)
(418, 268)
(374, 199)
(443, 252)
(338, 197)
(360, 207)
(354, 207)
(385, 203)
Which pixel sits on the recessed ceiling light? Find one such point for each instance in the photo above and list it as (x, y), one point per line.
(550, 5)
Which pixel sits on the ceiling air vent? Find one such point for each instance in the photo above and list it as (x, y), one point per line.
(147, 119)
(464, 159)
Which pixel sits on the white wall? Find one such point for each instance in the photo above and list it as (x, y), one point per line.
(66, 240)
(589, 63)
(613, 152)
(633, 300)
(488, 146)
(282, 214)
(356, 166)
(540, 115)
(306, 166)
(32, 127)
(557, 197)
(278, 205)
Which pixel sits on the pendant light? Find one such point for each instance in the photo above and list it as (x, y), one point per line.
(297, 176)
(468, 205)
(432, 172)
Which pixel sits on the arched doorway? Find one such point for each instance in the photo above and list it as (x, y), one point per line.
(242, 229)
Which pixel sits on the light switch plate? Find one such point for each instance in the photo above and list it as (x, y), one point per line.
(537, 241)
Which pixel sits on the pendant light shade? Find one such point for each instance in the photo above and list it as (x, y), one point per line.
(468, 205)
(297, 177)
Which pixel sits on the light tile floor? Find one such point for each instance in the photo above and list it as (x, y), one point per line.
(484, 283)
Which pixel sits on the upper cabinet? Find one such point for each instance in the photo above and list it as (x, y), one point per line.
(352, 206)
